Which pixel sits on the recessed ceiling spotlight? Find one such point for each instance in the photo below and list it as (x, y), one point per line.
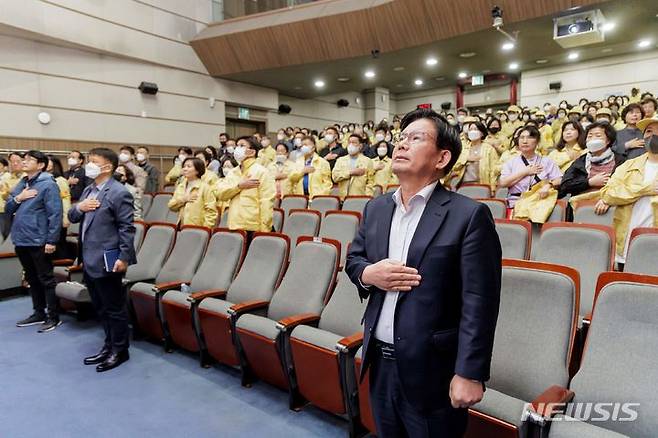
(644, 43)
(431, 61)
(319, 83)
(462, 75)
(418, 82)
(343, 79)
(440, 78)
(514, 66)
(399, 68)
(573, 55)
(607, 27)
(542, 61)
(508, 46)
(369, 74)
(467, 54)
(606, 50)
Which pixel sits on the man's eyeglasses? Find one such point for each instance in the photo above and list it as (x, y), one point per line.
(415, 137)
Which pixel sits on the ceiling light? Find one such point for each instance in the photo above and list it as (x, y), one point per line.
(573, 55)
(467, 54)
(462, 75)
(644, 43)
(369, 74)
(319, 84)
(399, 68)
(343, 79)
(607, 27)
(606, 50)
(440, 78)
(508, 46)
(514, 66)
(542, 61)
(431, 61)
(418, 82)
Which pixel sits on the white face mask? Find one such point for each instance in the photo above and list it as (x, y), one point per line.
(381, 151)
(240, 153)
(352, 149)
(265, 143)
(181, 158)
(452, 122)
(513, 117)
(280, 159)
(298, 142)
(596, 145)
(563, 105)
(379, 137)
(280, 137)
(474, 135)
(92, 170)
(230, 149)
(329, 138)
(124, 157)
(306, 150)
(141, 157)
(585, 125)
(72, 162)
(461, 118)
(388, 138)
(602, 120)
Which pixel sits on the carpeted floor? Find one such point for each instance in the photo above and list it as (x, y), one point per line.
(46, 391)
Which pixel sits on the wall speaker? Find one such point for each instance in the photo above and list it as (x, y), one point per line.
(555, 86)
(342, 103)
(148, 87)
(284, 109)
(446, 106)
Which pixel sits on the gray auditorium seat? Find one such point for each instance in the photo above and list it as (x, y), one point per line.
(252, 289)
(301, 223)
(501, 193)
(223, 221)
(356, 203)
(11, 270)
(213, 278)
(298, 300)
(497, 207)
(475, 191)
(642, 251)
(559, 213)
(341, 226)
(515, 238)
(584, 214)
(534, 336)
(179, 268)
(152, 254)
(324, 204)
(619, 361)
(147, 200)
(159, 210)
(326, 353)
(278, 218)
(293, 202)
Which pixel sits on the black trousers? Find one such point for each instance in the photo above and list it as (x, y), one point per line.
(38, 269)
(109, 298)
(396, 418)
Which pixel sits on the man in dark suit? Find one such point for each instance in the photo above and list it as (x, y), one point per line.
(429, 261)
(105, 213)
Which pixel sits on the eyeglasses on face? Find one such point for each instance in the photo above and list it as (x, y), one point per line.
(415, 138)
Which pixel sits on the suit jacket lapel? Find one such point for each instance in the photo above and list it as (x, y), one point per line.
(101, 195)
(384, 228)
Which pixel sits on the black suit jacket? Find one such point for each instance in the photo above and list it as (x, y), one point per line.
(446, 325)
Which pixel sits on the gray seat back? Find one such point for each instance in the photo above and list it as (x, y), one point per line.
(584, 247)
(535, 329)
(223, 222)
(585, 214)
(171, 217)
(501, 193)
(147, 200)
(342, 315)
(559, 212)
(355, 203)
(292, 203)
(220, 262)
(140, 230)
(341, 227)
(301, 223)
(324, 204)
(619, 362)
(73, 229)
(641, 257)
(261, 270)
(497, 207)
(278, 217)
(514, 239)
(153, 253)
(159, 209)
(185, 257)
(300, 292)
(7, 245)
(169, 189)
(475, 191)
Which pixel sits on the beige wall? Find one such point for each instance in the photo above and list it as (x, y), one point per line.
(319, 112)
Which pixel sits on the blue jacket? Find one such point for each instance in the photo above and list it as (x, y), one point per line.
(37, 221)
(444, 326)
(110, 227)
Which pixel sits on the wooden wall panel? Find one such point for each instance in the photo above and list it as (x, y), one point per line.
(231, 46)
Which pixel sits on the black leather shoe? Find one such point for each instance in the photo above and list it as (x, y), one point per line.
(113, 361)
(99, 357)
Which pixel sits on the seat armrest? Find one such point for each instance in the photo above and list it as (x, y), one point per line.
(548, 403)
(350, 342)
(7, 255)
(247, 306)
(63, 262)
(203, 294)
(162, 287)
(76, 268)
(295, 320)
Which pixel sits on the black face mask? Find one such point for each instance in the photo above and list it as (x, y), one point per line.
(223, 143)
(117, 176)
(651, 144)
(494, 130)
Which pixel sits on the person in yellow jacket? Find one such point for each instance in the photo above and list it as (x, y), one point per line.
(193, 198)
(546, 144)
(633, 189)
(176, 172)
(569, 148)
(495, 136)
(381, 164)
(8, 181)
(267, 154)
(513, 123)
(281, 169)
(250, 189)
(478, 161)
(353, 172)
(312, 173)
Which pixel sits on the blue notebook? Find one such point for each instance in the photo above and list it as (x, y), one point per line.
(110, 257)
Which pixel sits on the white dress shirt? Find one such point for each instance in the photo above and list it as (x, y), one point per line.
(403, 227)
